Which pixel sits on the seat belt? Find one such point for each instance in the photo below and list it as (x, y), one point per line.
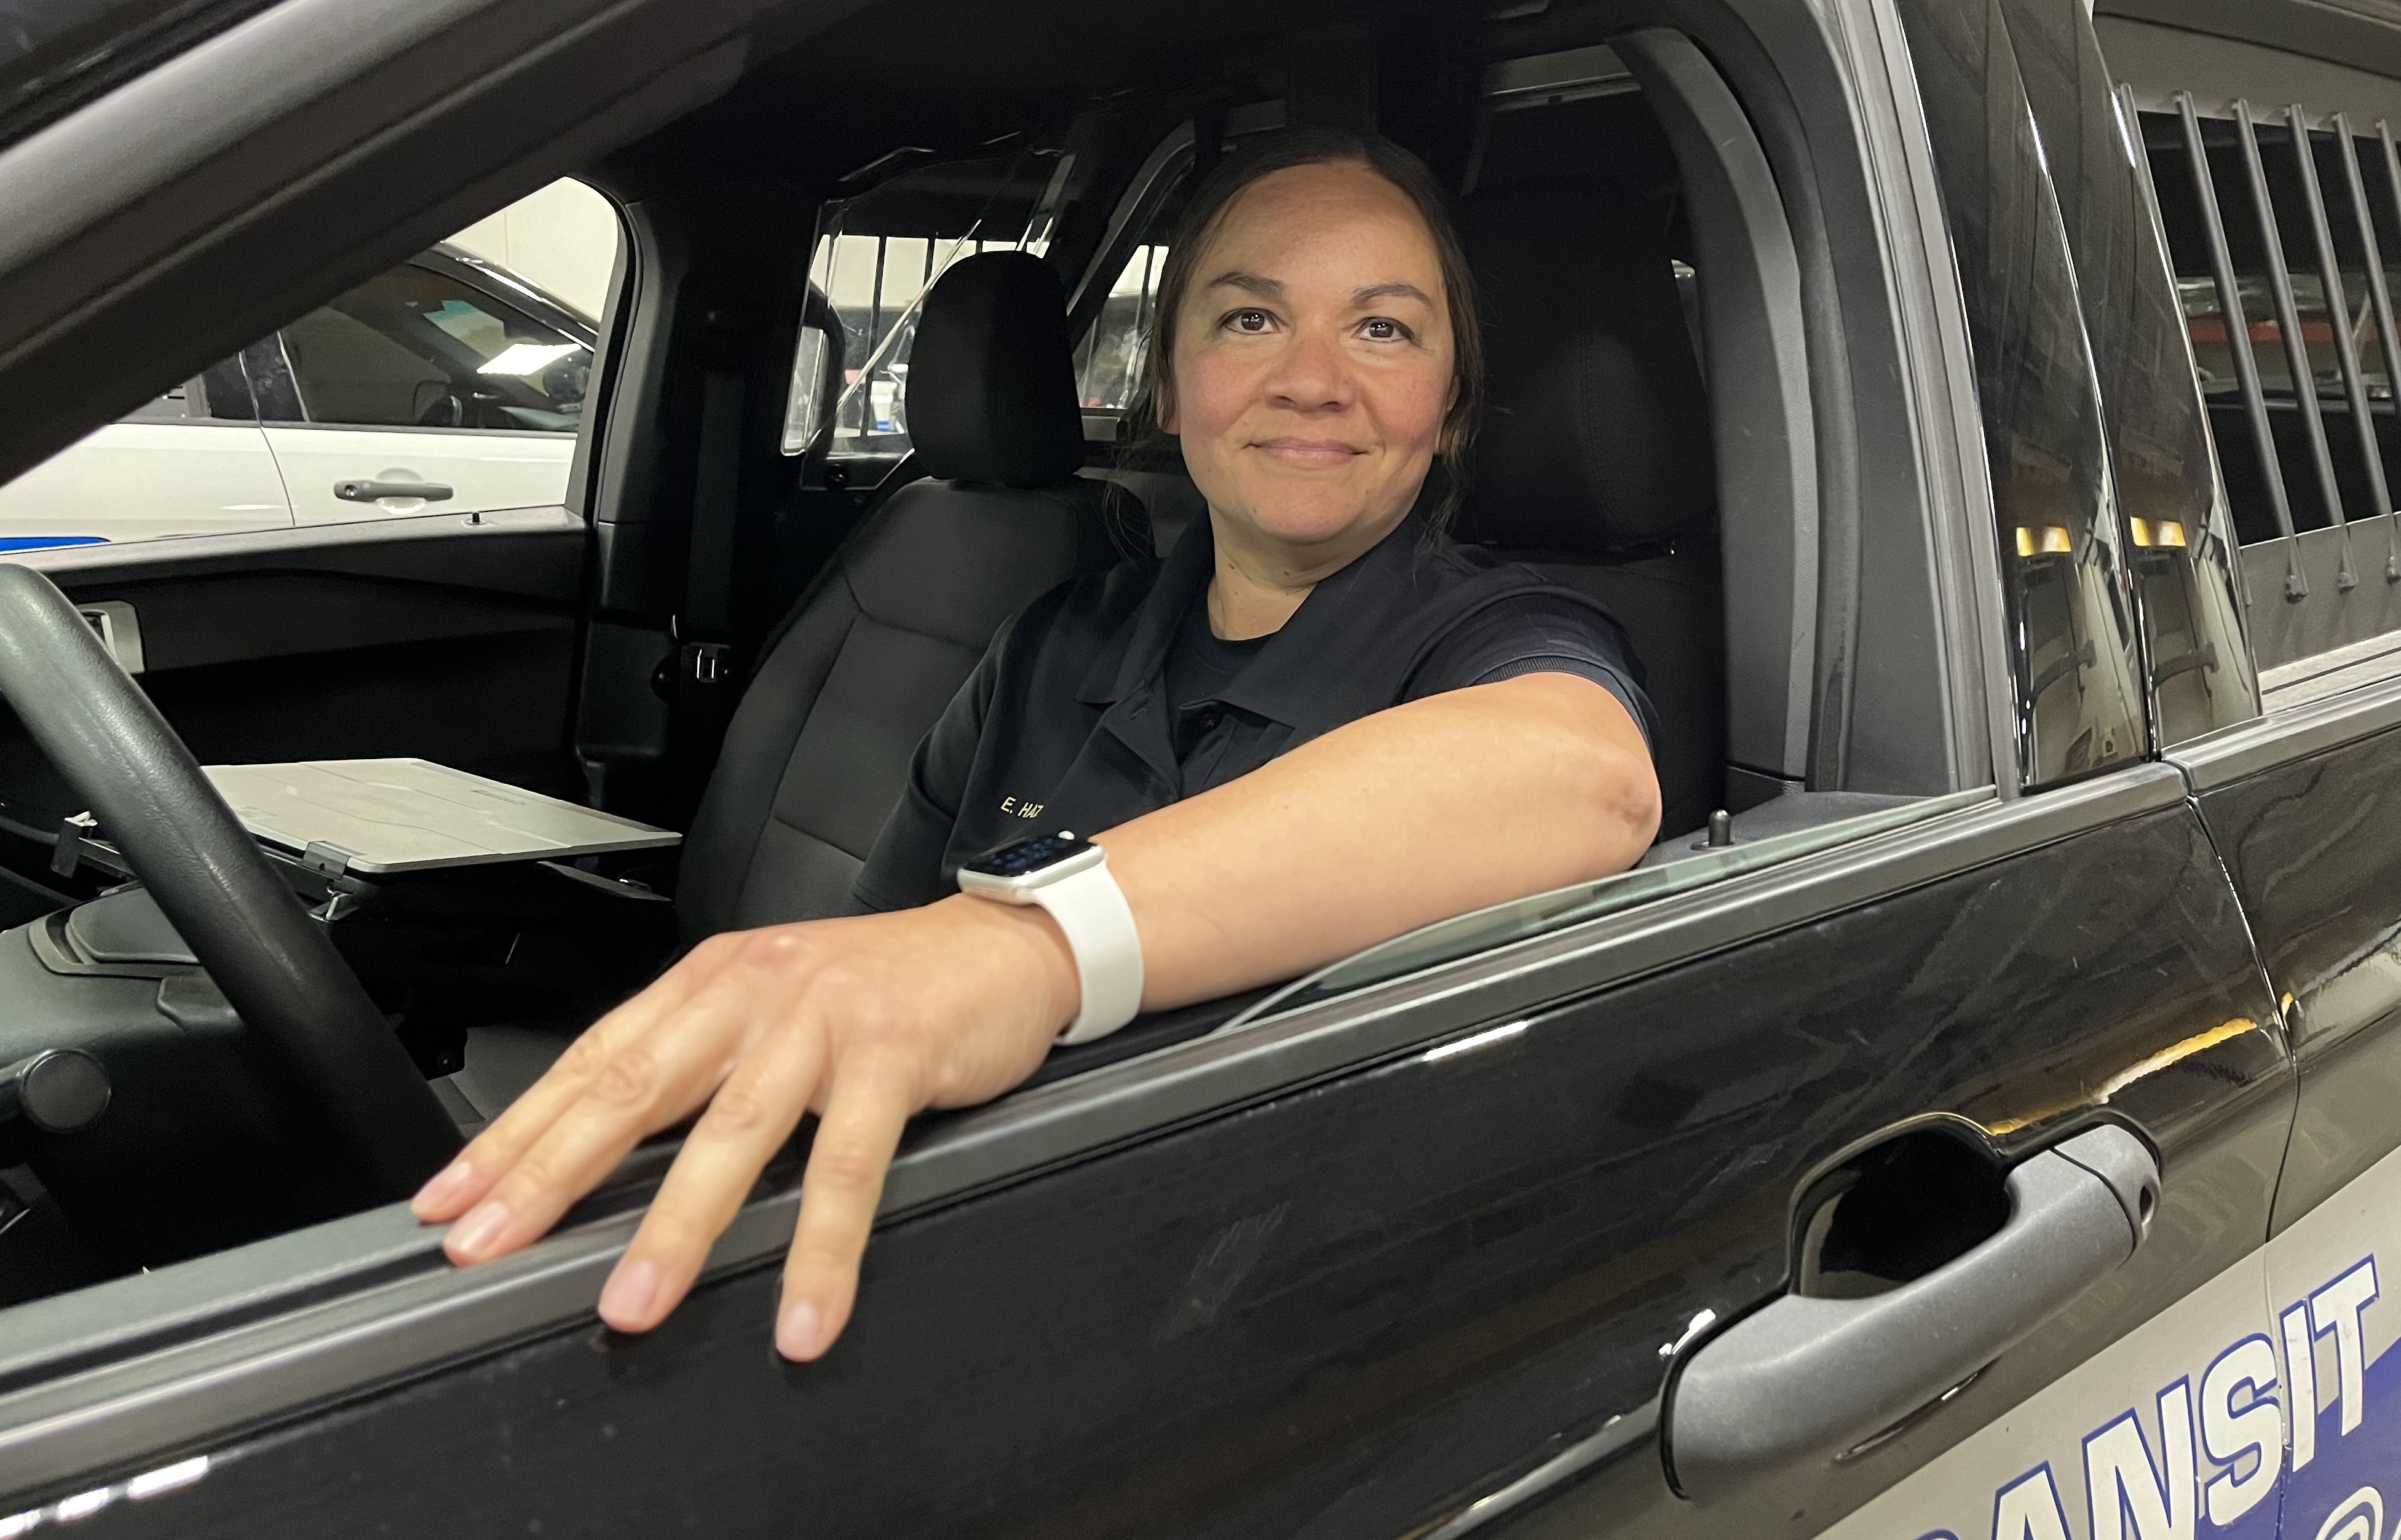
(706, 674)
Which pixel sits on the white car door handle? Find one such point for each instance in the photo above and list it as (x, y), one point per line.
(375, 491)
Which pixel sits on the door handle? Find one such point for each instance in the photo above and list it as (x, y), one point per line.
(1812, 1378)
(375, 491)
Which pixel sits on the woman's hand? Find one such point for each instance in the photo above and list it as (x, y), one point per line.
(864, 1022)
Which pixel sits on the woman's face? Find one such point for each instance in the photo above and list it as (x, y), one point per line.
(1312, 363)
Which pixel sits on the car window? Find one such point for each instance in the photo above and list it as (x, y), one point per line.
(418, 347)
(2079, 700)
(487, 336)
(1109, 360)
(875, 256)
(2284, 236)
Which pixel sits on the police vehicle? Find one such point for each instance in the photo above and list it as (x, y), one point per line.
(1980, 414)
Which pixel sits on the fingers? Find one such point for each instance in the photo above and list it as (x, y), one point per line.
(750, 1119)
(870, 1104)
(627, 1090)
(505, 1140)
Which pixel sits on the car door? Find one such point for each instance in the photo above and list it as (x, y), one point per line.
(2276, 204)
(418, 390)
(2299, 805)
(190, 461)
(1428, 1245)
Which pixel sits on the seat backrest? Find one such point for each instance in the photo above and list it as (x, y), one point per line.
(818, 750)
(1594, 463)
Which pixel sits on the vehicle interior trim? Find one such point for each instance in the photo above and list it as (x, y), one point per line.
(1153, 181)
(262, 1332)
(1765, 431)
(309, 545)
(2158, 59)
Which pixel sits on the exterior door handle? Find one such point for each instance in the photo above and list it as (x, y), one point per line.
(1812, 1378)
(375, 491)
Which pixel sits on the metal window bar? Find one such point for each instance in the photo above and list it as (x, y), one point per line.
(2346, 349)
(875, 308)
(2385, 317)
(2288, 323)
(2216, 522)
(2238, 338)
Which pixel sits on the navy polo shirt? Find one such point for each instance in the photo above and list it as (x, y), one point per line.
(1069, 722)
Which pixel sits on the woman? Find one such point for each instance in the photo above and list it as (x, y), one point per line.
(1317, 725)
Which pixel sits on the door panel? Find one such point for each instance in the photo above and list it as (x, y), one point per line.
(484, 470)
(1357, 1308)
(2313, 844)
(433, 636)
(2303, 807)
(138, 480)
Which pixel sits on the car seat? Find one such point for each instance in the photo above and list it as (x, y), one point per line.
(1594, 461)
(856, 673)
(858, 670)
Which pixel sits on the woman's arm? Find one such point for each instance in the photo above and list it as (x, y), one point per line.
(1413, 815)
(1428, 810)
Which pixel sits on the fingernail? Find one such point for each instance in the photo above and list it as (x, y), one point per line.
(626, 1303)
(448, 1183)
(475, 1234)
(796, 1333)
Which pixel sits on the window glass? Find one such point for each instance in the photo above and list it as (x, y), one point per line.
(464, 369)
(2074, 654)
(2172, 501)
(419, 347)
(1109, 360)
(1547, 913)
(875, 256)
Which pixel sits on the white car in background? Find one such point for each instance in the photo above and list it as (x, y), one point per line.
(445, 385)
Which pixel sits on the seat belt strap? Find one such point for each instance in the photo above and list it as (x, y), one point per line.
(707, 620)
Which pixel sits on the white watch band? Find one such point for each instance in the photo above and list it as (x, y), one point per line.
(1101, 933)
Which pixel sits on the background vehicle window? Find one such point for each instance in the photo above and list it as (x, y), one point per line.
(401, 383)
(875, 256)
(417, 347)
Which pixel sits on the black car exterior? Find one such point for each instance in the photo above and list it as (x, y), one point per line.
(2048, 828)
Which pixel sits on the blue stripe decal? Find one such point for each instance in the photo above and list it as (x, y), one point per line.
(45, 543)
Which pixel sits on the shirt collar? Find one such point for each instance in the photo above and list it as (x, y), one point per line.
(1137, 650)
(1311, 666)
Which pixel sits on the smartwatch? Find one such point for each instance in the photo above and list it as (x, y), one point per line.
(1070, 879)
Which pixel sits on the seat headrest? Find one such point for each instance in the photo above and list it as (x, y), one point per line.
(991, 380)
(1596, 433)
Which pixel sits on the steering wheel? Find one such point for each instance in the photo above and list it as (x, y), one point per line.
(275, 965)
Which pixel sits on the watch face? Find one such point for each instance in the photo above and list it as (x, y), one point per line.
(1027, 857)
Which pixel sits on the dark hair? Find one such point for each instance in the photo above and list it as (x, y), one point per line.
(1318, 146)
